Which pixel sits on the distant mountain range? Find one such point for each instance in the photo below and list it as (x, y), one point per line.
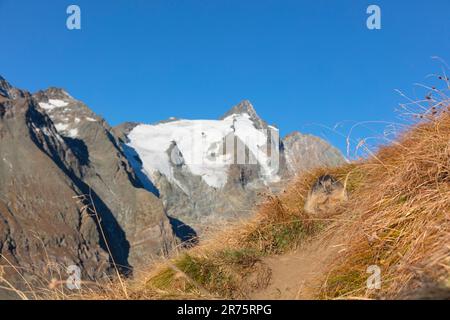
(198, 176)
(74, 191)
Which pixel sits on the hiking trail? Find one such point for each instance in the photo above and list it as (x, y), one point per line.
(298, 275)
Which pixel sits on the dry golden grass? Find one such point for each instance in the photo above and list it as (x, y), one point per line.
(402, 215)
(396, 217)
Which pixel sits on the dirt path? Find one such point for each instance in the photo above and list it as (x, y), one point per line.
(299, 274)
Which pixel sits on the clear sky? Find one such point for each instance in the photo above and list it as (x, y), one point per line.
(304, 64)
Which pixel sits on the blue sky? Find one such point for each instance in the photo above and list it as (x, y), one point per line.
(305, 65)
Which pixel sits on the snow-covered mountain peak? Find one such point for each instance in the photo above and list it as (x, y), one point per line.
(205, 148)
(211, 169)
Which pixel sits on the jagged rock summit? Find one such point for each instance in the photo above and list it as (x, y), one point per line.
(106, 170)
(68, 195)
(246, 107)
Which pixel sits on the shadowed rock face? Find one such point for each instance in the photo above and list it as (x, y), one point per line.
(107, 171)
(53, 150)
(43, 227)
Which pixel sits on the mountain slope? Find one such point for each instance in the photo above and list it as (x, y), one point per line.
(68, 195)
(107, 171)
(395, 220)
(43, 225)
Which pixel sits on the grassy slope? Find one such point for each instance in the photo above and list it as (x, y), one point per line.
(397, 217)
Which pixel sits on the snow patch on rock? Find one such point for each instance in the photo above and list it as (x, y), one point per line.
(52, 104)
(61, 126)
(73, 133)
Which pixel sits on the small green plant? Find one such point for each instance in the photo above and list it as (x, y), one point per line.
(279, 237)
(244, 257)
(341, 284)
(164, 279)
(207, 273)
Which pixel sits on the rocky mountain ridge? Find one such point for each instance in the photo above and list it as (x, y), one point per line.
(68, 195)
(74, 191)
